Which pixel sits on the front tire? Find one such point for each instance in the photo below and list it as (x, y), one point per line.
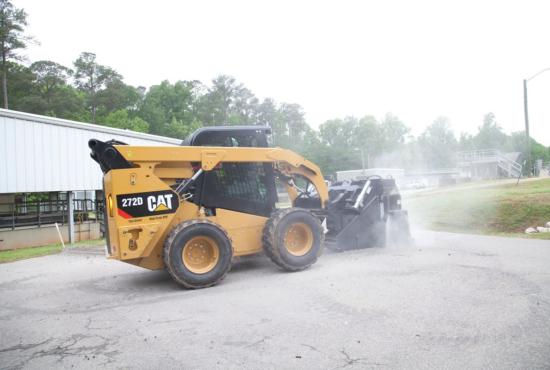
(293, 239)
(197, 254)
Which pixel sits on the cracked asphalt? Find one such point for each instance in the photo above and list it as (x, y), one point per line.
(452, 301)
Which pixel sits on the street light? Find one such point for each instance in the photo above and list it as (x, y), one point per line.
(528, 146)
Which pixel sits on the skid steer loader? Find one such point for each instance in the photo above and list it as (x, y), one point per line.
(191, 209)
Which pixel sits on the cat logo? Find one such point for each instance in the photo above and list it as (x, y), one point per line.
(158, 203)
(153, 203)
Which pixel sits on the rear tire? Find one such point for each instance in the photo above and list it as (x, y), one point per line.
(293, 239)
(197, 254)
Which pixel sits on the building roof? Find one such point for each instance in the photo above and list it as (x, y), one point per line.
(43, 154)
(86, 126)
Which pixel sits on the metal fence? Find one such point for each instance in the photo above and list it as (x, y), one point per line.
(40, 213)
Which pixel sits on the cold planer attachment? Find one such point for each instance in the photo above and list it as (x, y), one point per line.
(366, 213)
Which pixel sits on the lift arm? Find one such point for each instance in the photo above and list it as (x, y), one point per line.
(286, 161)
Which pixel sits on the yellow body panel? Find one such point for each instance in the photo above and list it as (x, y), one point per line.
(136, 237)
(139, 239)
(244, 230)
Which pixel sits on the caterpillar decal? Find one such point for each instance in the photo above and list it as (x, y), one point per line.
(147, 204)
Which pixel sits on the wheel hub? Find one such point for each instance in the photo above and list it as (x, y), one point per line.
(298, 239)
(200, 254)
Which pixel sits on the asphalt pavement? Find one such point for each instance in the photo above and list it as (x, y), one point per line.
(451, 301)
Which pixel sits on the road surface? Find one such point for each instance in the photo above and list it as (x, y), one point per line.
(451, 301)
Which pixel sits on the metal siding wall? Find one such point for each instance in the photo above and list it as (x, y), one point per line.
(71, 172)
(20, 159)
(42, 157)
(38, 179)
(85, 175)
(58, 166)
(10, 159)
(3, 162)
(43, 169)
(4, 167)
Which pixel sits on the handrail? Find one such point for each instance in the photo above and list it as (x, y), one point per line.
(511, 162)
(512, 167)
(473, 155)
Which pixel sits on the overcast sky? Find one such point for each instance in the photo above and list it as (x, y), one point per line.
(416, 59)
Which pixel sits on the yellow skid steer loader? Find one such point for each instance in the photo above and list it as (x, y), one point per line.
(191, 209)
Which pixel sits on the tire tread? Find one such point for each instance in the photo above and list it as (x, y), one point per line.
(270, 244)
(170, 241)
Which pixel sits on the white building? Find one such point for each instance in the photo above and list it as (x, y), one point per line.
(40, 154)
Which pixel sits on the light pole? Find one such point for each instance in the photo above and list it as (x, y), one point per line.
(526, 111)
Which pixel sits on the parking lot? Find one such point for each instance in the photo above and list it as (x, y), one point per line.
(451, 301)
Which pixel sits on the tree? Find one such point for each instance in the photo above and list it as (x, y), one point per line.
(171, 109)
(466, 142)
(516, 143)
(293, 117)
(91, 78)
(43, 88)
(347, 140)
(326, 157)
(393, 132)
(490, 134)
(69, 103)
(12, 25)
(116, 96)
(338, 132)
(350, 138)
(438, 144)
(121, 119)
(20, 83)
(218, 102)
(228, 103)
(266, 113)
(48, 77)
(245, 108)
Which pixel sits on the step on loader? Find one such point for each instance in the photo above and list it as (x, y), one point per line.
(226, 193)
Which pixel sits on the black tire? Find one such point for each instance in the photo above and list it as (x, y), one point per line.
(274, 233)
(180, 237)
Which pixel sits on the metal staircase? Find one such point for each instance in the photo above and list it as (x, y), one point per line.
(509, 167)
(505, 167)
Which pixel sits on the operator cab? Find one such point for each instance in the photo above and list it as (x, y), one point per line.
(242, 187)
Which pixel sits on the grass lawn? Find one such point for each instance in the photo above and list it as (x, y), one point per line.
(499, 209)
(23, 253)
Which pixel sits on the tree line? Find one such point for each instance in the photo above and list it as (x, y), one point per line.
(92, 92)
